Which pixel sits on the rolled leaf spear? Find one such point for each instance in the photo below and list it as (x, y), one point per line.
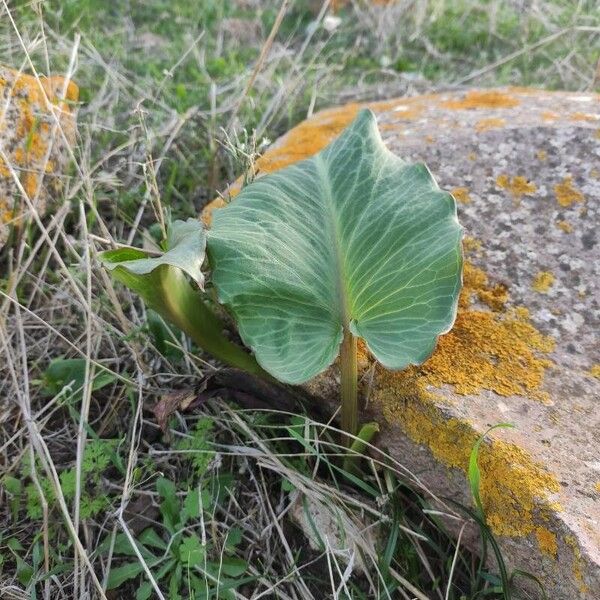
(351, 243)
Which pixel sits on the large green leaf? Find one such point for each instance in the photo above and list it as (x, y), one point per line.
(353, 237)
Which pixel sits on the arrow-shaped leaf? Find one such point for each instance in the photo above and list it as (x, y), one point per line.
(352, 239)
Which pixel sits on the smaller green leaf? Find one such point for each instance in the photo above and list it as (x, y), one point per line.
(186, 243)
(144, 591)
(234, 538)
(169, 507)
(63, 372)
(363, 437)
(193, 503)
(474, 472)
(161, 282)
(191, 551)
(230, 566)
(24, 571)
(119, 575)
(149, 537)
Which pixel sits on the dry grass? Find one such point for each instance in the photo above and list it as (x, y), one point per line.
(152, 141)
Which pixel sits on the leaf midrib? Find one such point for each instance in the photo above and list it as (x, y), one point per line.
(333, 223)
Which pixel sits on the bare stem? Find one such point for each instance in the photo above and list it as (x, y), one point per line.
(349, 392)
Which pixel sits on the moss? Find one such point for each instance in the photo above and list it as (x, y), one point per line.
(566, 193)
(518, 186)
(542, 282)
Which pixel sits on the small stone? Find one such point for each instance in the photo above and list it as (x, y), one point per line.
(35, 149)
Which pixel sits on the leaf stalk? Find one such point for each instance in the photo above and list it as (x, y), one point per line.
(349, 386)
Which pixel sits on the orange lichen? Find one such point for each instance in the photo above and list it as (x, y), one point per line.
(579, 116)
(549, 115)
(490, 123)
(565, 226)
(461, 194)
(518, 186)
(566, 193)
(308, 138)
(595, 370)
(483, 99)
(6, 213)
(546, 541)
(512, 483)
(495, 350)
(543, 281)
(471, 244)
(577, 566)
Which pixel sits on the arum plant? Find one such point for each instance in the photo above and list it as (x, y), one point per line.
(351, 243)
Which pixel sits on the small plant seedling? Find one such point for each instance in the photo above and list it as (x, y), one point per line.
(351, 243)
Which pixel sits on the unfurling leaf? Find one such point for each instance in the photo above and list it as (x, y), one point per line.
(353, 238)
(162, 283)
(186, 244)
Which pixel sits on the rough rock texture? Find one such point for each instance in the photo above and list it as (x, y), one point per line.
(31, 144)
(524, 166)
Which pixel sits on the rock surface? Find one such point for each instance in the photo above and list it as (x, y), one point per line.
(524, 166)
(33, 147)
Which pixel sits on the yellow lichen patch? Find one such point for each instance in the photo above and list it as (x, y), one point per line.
(6, 213)
(595, 371)
(308, 138)
(461, 194)
(30, 184)
(483, 99)
(546, 541)
(4, 172)
(491, 123)
(597, 486)
(577, 567)
(518, 186)
(512, 483)
(579, 116)
(495, 350)
(565, 226)
(542, 155)
(471, 244)
(543, 281)
(549, 115)
(566, 193)
(472, 156)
